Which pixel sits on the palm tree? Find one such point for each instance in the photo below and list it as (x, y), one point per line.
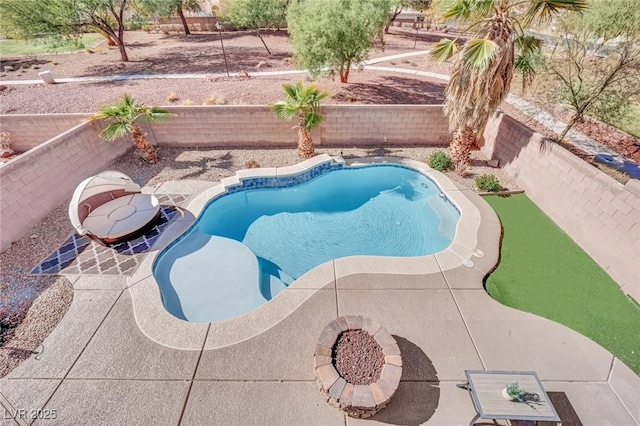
(124, 118)
(483, 70)
(304, 102)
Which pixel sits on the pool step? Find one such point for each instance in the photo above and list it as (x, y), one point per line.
(272, 279)
(208, 278)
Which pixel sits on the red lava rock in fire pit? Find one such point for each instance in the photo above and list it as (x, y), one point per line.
(358, 357)
(357, 364)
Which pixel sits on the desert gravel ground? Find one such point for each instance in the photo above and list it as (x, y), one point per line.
(200, 53)
(370, 87)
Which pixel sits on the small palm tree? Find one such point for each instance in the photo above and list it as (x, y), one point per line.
(124, 118)
(483, 71)
(304, 102)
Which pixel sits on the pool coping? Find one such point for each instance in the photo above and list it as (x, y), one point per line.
(472, 253)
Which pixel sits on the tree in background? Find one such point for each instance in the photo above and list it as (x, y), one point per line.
(333, 35)
(124, 118)
(596, 62)
(302, 102)
(64, 18)
(254, 14)
(483, 70)
(167, 8)
(417, 5)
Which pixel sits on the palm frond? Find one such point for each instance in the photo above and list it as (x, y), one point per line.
(116, 130)
(478, 53)
(444, 49)
(293, 91)
(283, 110)
(300, 100)
(123, 115)
(468, 9)
(108, 111)
(312, 120)
(154, 113)
(526, 65)
(545, 10)
(159, 111)
(528, 44)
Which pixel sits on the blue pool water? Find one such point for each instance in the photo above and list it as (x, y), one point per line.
(249, 245)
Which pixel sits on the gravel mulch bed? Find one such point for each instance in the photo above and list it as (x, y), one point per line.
(358, 358)
(31, 306)
(615, 139)
(365, 87)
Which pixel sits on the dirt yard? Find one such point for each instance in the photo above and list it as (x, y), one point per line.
(201, 53)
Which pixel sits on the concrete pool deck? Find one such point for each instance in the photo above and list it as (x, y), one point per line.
(99, 367)
(466, 248)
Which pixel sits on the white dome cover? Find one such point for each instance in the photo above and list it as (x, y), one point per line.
(107, 181)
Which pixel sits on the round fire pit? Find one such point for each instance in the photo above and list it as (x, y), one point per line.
(357, 364)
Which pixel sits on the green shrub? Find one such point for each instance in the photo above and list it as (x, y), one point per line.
(488, 183)
(440, 161)
(135, 23)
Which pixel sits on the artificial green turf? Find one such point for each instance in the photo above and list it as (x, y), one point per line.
(543, 271)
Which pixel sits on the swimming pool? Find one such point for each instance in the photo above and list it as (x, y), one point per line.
(258, 237)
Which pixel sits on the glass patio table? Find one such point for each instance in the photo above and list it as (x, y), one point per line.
(486, 388)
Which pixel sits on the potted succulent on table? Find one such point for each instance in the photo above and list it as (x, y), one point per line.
(513, 392)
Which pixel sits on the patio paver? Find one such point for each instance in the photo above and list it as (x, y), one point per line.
(625, 384)
(120, 350)
(118, 402)
(283, 352)
(428, 319)
(69, 338)
(98, 282)
(259, 403)
(422, 402)
(595, 403)
(26, 394)
(509, 339)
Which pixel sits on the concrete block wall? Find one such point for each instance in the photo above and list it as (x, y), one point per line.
(44, 177)
(41, 179)
(225, 126)
(352, 125)
(599, 213)
(30, 130)
(343, 125)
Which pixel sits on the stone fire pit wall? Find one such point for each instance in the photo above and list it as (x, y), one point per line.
(360, 401)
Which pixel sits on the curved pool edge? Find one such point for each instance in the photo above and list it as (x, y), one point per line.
(474, 245)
